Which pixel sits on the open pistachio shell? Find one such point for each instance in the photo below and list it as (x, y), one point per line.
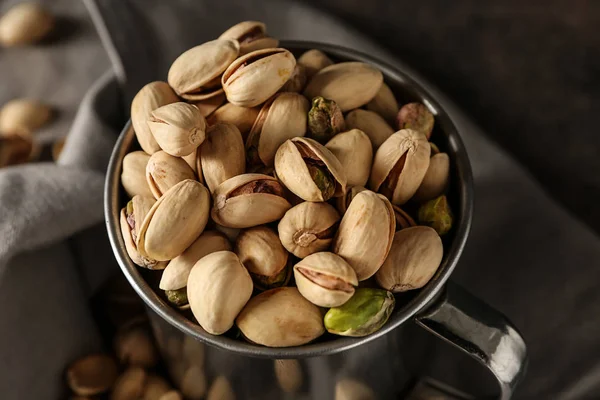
(309, 170)
(133, 177)
(175, 221)
(313, 61)
(365, 234)
(242, 117)
(343, 202)
(253, 78)
(281, 118)
(280, 317)
(354, 151)
(403, 219)
(349, 84)
(384, 104)
(297, 81)
(218, 288)
(400, 165)
(222, 154)
(179, 128)
(249, 200)
(370, 123)
(436, 178)
(251, 35)
(163, 171)
(414, 258)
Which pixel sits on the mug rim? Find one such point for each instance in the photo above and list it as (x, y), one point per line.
(398, 73)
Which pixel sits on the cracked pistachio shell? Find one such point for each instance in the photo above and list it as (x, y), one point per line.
(175, 275)
(437, 214)
(179, 128)
(263, 255)
(23, 116)
(295, 163)
(416, 116)
(313, 61)
(414, 258)
(208, 106)
(222, 154)
(325, 279)
(297, 81)
(220, 390)
(400, 165)
(132, 216)
(370, 123)
(253, 78)
(218, 288)
(249, 200)
(308, 228)
(343, 202)
(385, 104)
(25, 23)
(281, 118)
(280, 317)
(403, 220)
(349, 389)
(436, 178)
(251, 35)
(349, 84)
(175, 221)
(242, 117)
(365, 234)
(164, 171)
(149, 98)
(92, 375)
(133, 177)
(354, 151)
(195, 74)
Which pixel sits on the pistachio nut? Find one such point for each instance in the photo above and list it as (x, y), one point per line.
(403, 220)
(131, 219)
(261, 252)
(149, 98)
(177, 297)
(171, 395)
(251, 35)
(325, 279)
(220, 390)
(281, 118)
(164, 171)
(175, 275)
(249, 200)
(242, 117)
(308, 228)
(179, 128)
(349, 84)
(342, 203)
(175, 221)
(436, 178)
(399, 166)
(350, 389)
(309, 170)
(280, 317)
(370, 123)
(365, 313)
(222, 154)
(385, 104)
(134, 346)
(414, 258)
(193, 160)
(208, 106)
(325, 119)
(15, 149)
(437, 214)
(218, 288)
(25, 23)
(253, 78)
(193, 384)
(156, 386)
(23, 116)
(365, 234)
(92, 375)
(133, 177)
(130, 385)
(196, 73)
(416, 116)
(354, 151)
(297, 81)
(57, 148)
(288, 374)
(313, 61)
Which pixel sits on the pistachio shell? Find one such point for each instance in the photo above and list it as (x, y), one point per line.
(156, 386)
(416, 116)
(297, 81)
(281, 118)
(354, 151)
(349, 84)
(130, 384)
(25, 23)
(414, 258)
(175, 221)
(436, 178)
(133, 177)
(325, 279)
(222, 154)
(178, 128)
(242, 117)
(293, 169)
(348, 389)
(253, 78)
(248, 200)
(385, 104)
(251, 35)
(220, 390)
(370, 123)
(23, 116)
(400, 165)
(208, 106)
(175, 275)
(308, 228)
(135, 346)
(195, 73)
(230, 233)
(403, 220)
(15, 149)
(365, 234)
(193, 161)
(280, 317)
(313, 61)
(288, 374)
(218, 288)
(342, 203)
(92, 375)
(193, 383)
(171, 395)
(164, 171)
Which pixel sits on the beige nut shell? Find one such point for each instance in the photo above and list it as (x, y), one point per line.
(354, 151)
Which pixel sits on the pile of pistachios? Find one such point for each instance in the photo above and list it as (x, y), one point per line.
(268, 191)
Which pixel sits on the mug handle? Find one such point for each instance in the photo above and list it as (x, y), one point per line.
(479, 330)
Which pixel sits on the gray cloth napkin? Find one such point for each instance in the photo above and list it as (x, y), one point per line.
(526, 256)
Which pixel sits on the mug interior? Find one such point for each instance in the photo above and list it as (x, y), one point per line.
(445, 135)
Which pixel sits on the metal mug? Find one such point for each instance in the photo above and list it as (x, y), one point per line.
(441, 307)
